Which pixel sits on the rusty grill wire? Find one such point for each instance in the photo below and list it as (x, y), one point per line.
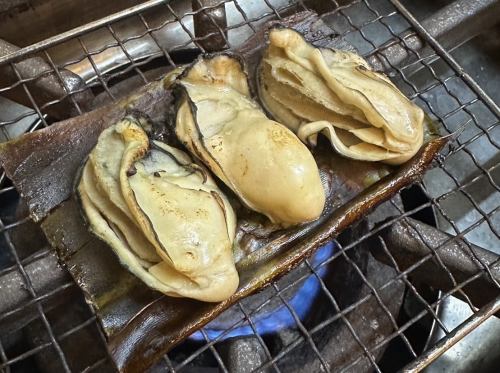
(478, 121)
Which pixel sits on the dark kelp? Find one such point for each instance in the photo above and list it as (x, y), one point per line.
(142, 325)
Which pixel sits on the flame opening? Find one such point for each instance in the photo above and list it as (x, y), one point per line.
(281, 317)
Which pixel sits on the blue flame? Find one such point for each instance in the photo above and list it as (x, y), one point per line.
(280, 318)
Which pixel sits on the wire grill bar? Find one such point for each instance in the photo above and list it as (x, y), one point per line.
(31, 290)
(459, 333)
(448, 58)
(78, 31)
(479, 119)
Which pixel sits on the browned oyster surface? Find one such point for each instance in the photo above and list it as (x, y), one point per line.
(261, 160)
(162, 215)
(334, 92)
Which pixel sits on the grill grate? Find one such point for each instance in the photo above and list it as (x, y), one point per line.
(448, 94)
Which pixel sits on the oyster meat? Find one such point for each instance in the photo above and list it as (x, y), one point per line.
(262, 161)
(334, 92)
(162, 214)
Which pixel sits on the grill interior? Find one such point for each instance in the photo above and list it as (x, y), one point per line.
(365, 315)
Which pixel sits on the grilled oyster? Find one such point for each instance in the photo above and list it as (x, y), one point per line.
(335, 92)
(163, 215)
(262, 161)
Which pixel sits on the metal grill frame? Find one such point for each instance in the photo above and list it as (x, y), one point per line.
(414, 27)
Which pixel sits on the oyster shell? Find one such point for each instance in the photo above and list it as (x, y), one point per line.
(262, 161)
(320, 90)
(163, 215)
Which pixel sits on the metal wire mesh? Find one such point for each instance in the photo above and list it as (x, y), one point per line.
(447, 94)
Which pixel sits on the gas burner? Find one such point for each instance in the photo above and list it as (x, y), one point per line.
(275, 328)
(275, 316)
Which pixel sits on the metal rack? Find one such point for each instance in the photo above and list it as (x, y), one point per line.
(407, 47)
